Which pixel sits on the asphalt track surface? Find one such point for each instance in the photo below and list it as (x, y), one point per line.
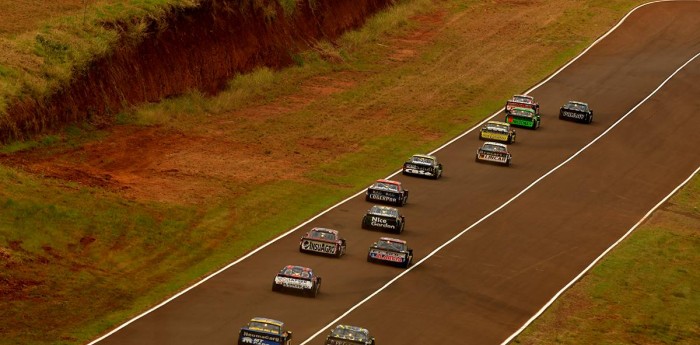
(482, 287)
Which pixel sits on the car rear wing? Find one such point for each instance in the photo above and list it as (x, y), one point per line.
(264, 338)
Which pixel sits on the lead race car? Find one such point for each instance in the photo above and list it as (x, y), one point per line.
(390, 251)
(423, 165)
(384, 218)
(577, 111)
(498, 131)
(522, 101)
(387, 191)
(297, 279)
(494, 152)
(261, 330)
(523, 117)
(323, 241)
(349, 335)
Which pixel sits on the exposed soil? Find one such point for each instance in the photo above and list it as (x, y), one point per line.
(159, 164)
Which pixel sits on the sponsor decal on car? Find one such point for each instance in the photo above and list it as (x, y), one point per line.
(573, 115)
(382, 197)
(321, 247)
(496, 136)
(520, 121)
(387, 256)
(259, 338)
(492, 157)
(293, 283)
(381, 222)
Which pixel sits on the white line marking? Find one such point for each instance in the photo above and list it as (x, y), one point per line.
(573, 281)
(263, 246)
(436, 250)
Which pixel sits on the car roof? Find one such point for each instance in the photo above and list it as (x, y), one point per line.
(267, 320)
(425, 156)
(389, 239)
(496, 144)
(389, 182)
(577, 102)
(331, 231)
(498, 123)
(381, 208)
(524, 96)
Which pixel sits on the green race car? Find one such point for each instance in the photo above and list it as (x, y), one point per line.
(523, 117)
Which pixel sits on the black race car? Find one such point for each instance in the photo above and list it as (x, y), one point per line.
(349, 335)
(577, 111)
(322, 241)
(262, 330)
(384, 218)
(297, 279)
(423, 165)
(390, 251)
(387, 191)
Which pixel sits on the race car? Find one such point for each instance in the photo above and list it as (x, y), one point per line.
(523, 117)
(577, 111)
(522, 101)
(384, 218)
(322, 241)
(349, 335)
(390, 251)
(261, 330)
(423, 165)
(297, 279)
(387, 191)
(493, 152)
(498, 131)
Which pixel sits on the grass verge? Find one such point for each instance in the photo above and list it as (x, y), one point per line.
(643, 292)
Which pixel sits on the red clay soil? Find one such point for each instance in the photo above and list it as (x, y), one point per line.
(200, 49)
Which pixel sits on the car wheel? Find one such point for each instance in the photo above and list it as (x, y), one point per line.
(275, 287)
(369, 258)
(590, 119)
(476, 159)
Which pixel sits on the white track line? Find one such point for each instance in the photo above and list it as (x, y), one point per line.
(436, 250)
(263, 246)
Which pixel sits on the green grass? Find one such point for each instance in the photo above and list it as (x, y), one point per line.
(643, 292)
(446, 87)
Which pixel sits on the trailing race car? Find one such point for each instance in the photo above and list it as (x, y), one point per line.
(261, 330)
(423, 165)
(494, 152)
(349, 335)
(523, 117)
(384, 218)
(322, 241)
(498, 131)
(577, 111)
(297, 278)
(387, 191)
(522, 101)
(390, 251)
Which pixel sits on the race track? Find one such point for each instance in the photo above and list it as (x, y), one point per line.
(486, 284)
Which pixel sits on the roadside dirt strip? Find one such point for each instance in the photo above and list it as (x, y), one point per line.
(482, 287)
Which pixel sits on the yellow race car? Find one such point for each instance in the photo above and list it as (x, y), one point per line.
(497, 131)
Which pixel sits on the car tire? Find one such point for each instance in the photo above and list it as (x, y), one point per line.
(275, 288)
(369, 258)
(590, 119)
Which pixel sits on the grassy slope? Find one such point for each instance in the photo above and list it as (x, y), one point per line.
(56, 222)
(644, 292)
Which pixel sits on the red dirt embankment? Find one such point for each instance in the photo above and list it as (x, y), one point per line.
(198, 49)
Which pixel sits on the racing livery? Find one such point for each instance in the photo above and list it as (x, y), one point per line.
(322, 241)
(522, 101)
(523, 117)
(387, 191)
(577, 111)
(423, 165)
(298, 279)
(494, 152)
(261, 330)
(349, 335)
(384, 218)
(390, 251)
(497, 131)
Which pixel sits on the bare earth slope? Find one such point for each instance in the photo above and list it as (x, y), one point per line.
(486, 284)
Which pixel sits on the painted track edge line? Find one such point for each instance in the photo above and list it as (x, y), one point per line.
(600, 257)
(270, 242)
(496, 210)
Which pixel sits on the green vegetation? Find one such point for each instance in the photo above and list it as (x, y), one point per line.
(424, 69)
(643, 292)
